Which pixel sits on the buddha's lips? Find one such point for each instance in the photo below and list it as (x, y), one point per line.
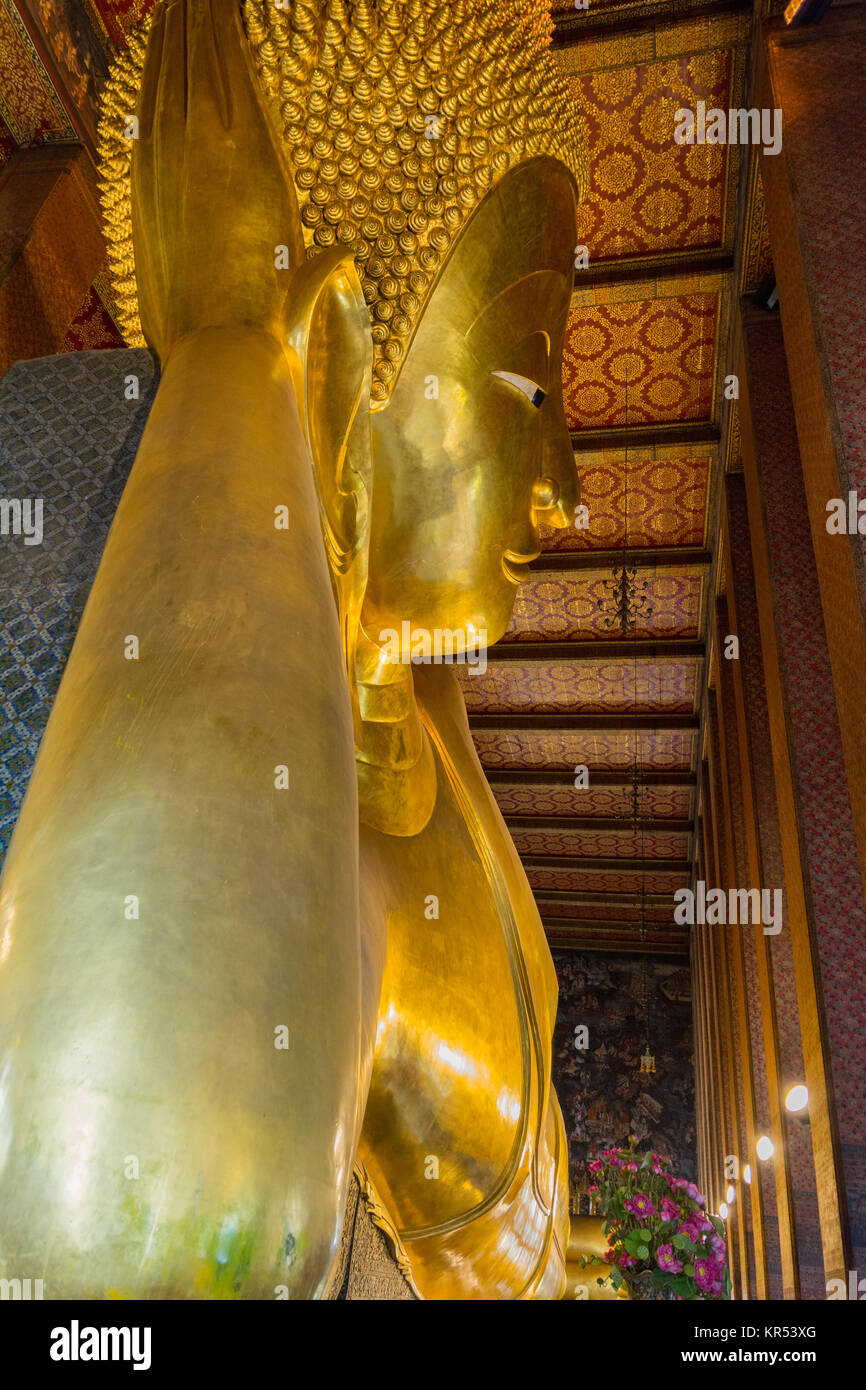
(515, 567)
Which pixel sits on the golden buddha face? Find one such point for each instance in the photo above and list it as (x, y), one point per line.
(472, 448)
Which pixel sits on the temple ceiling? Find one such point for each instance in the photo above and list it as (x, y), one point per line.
(644, 366)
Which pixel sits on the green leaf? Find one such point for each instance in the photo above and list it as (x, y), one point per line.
(726, 1284)
(642, 1252)
(689, 1270)
(682, 1242)
(616, 1278)
(684, 1287)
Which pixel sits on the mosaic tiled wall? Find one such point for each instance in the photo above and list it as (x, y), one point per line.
(68, 436)
(602, 1094)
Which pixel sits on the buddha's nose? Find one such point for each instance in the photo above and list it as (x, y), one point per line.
(556, 493)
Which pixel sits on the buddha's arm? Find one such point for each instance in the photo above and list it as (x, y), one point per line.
(172, 897)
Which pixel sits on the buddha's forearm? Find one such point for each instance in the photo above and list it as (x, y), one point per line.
(182, 884)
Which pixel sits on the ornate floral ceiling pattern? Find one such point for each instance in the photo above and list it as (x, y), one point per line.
(647, 194)
(654, 802)
(556, 607)
(639, 686)
(602, 844)
(667, 499)
(666, 750)
(603, 881)
(639, 360)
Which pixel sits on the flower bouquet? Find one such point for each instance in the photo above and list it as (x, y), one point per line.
(663, 1243)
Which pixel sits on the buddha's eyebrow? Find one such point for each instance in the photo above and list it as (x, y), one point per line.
(531, 389)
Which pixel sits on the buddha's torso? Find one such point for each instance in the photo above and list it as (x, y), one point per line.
(462, 1134)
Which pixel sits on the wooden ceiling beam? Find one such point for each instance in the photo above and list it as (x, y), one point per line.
(641, 866)
(649, 557)
(576, 722)
(613, 650)
(558, 895)
(645, 436)
(676, 946)
(600, 823)
(632, 16)
(557, 777)
(676, 265)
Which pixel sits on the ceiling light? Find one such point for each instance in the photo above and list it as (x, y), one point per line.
(797, 1099)
(766, 1147)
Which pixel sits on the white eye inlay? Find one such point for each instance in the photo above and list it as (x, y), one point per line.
(531, 389)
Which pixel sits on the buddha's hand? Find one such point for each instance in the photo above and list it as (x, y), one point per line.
(215, 219)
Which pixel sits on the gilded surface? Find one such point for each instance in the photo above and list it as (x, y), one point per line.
(245, 988)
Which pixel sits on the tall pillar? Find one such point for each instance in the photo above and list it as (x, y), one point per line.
(815, 191)
(823, 886)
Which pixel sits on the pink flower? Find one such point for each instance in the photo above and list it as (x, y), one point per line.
(705, 1275)
(632, 1167)
(666, 1259)
(639, 1205)
(596, 1166)
(670, 1210)
(691, 1228)
(592, 1189)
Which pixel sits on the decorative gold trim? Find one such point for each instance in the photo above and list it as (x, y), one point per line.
(378, 1214)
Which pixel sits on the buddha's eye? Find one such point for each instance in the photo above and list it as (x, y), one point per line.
(531, 389)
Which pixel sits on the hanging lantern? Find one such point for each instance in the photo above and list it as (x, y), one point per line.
(647, 1062)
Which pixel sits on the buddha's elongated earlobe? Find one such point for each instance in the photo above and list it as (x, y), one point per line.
(330, 351)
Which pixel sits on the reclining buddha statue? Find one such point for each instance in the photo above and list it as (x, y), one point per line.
(261, 916)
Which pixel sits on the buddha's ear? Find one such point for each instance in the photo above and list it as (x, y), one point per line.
(331, 352)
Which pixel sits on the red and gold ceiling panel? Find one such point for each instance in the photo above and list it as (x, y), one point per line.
(603, 881)
(643, 685)
(648, 194)
(615, 750)
(555, 607)
(602, 844)
(641, 354)
(654, 802)
(605, 911)
(666, 503)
